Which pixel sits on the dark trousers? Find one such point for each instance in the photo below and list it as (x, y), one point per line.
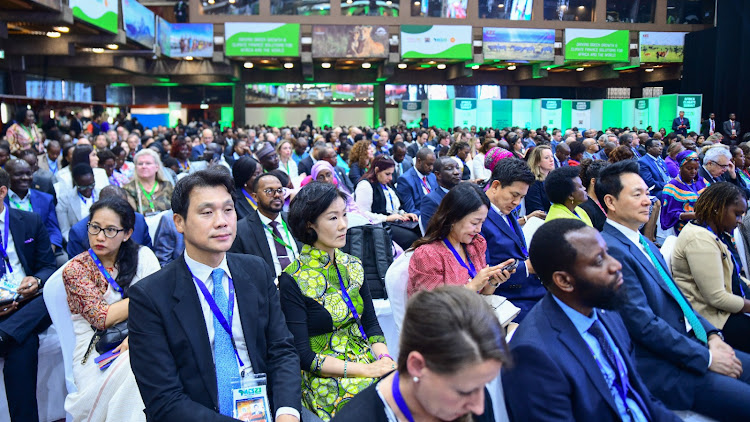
(719, 396)
(22, 358)
(403, 236)
(737, 332)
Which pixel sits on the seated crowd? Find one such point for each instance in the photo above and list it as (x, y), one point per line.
(227, 254)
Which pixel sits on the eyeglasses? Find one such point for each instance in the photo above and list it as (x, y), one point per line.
(82, 188)
(109, 232)
(724, 166)
(273, 192)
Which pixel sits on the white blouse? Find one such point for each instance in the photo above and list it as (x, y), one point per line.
(363, 197)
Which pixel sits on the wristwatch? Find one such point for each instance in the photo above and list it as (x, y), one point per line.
(38, 282)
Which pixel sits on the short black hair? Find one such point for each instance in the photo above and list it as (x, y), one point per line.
(256, 182)
(210, 177)
(81, 154)
(552, 236)
(105, 155)
(559, 183)
(283, 177)
(4, 178)
(609, 182)
(399, 144)
(81, 169)
(650, 142)
(423, 153)
(510, 170)
(576, 147)
(590, 170)
(243, 170)
(438, 166)
(309, 203)
(626, 139)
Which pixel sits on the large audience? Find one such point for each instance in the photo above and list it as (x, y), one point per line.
(215, 273)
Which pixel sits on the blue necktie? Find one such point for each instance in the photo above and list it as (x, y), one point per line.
(224, 357)
(663, 168)
(690, 316)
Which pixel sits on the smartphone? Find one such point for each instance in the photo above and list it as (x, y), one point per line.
(511, 267)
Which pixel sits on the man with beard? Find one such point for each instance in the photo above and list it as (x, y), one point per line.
(570, 333)
(264, 233)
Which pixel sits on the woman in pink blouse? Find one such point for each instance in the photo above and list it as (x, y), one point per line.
(96, 283)
(452, 252)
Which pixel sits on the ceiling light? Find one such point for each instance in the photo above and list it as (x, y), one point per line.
(63, 29)
(512, 67)
(416, 3)
(581, 7)
(563, 7)
(231, 1)
(325, 65)
(388, 3)
(248, 65)
(53, 34)
(650, 69)
(348, 1)
(475, 67)
(188, 58)
(113, 46)
(204, 106)
(431, 62)
(264, 61)
(97, 50)
(402, 65)
(366, 65)
(580, 69)
(211, 1)
(288, 65)
(441, 66)
(349, 62)
(500, 5)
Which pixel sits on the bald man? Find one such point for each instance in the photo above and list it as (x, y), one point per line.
(207, 136)
(592, 148)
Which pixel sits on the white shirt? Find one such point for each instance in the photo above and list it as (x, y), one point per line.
(203, 273)
(15, 263)
(285, 236)
(363, 197)
(23, 204)
(86, 203)
(422, 181)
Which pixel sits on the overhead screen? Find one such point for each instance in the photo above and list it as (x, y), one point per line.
(518, 44)
(100, 13)
(436, 41)
(662, 47)
(186, 39)
(261, 39)
(355, 41)
(140, 25)
(597, 45)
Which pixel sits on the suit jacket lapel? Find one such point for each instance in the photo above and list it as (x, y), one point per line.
(189, 313)
(247, 304)
(500, 222)
(260, 236)
(18, 233)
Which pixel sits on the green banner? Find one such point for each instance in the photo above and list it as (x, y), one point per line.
(100, 13)
(641, 113)
(411, 112)
(597, 44)
(502, 113)
(551, 112)
(436, 41)
(691, 105)
(465, 114)
(261, 39)
(581, 114)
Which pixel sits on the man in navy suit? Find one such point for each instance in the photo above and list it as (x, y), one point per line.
(653, 170)
(78, 238)
(681, 124)
(402, 160)
(448, 175)
(562, 154)
(207, 137)
(570, 332)
(508, 186)
(168, 242)
(21, 197)
(417, 182)
(681, 356)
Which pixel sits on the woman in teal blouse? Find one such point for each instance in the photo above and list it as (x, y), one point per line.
(566, 192)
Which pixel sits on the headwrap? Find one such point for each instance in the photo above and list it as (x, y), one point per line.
(494, 155)
(685, 156)
(319, 167)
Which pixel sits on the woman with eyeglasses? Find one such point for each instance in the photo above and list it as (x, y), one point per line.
(97, 283)
(74, 204)
(681, 193)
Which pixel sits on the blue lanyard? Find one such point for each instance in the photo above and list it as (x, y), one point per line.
(349, 304)
(5, 240)
(227, 326)
(249, 198)
(83, 198)
(52, 169)
(385, 188)
(524, 250)
(106, 274)
(624, 385)
(734, 261)
(399, 399)
(470, 268)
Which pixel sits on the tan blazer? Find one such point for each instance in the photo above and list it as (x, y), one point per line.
(702, 268)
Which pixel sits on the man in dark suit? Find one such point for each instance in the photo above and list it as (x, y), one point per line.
(681, 356)
(329, 155)
(732, 131)
(681, 124)
(168, 242)
(419, 143)
(508, 186)
(42, 180)
(562, 154)
(402, 160)
(207, 137)
(30, 256)
(417, 182)
(305, 165)
(78, 238)
(448, 175)
(570, 332)
(76, 126)
(184, 353)
(709, 126)
(653, 170)
(22, 197)
(718, 167)
(264, 233)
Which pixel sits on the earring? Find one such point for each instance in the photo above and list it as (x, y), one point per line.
(415, 379)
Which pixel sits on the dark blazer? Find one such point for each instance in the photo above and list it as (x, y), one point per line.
(343, 178)
(650, 173)
(197, 152)
(536, 198)
(407, 163)
(549, 352)
(410, 192)
(702, 172)
(171, 356)
(726, 129)
(44, 205)
(43, 181)
(595, 214)
(78, 238)
(169, 244)
(32, 244)
(502, 244)
(706, 127)
(430, 204)
(676, 124)
(355, 173)
(305, 166)
(251, 238)
(671, 362)
(242, 205)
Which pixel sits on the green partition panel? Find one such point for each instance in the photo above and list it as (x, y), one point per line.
(667, 111)
(628, 112)
(611, 113)
(465, 112)
(522, 113)
(536, 113)
(502, 113)
(441, 113)
(484, 113)
(567, 108)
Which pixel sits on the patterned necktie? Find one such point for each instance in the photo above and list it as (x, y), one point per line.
(281, 254)
(3, 264)
(425, 184)
(597, 331)
(224, 357)
(690, 316)
(663, 168)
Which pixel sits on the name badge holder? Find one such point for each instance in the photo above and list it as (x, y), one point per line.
(251, 399)
(10, 281)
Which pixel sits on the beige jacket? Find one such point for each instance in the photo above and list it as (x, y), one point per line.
(702, 268)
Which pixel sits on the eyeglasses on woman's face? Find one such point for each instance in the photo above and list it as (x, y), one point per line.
(109, 232)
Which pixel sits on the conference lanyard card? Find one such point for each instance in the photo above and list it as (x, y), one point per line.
(9, 284)
(251, 399)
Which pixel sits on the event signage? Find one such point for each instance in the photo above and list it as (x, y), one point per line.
(261, 39)
(100, 13)
(465, 114)
(551, 113)
(691, 105)
(597, 45)
(662, 47)
(365, 41)
(581, 114)
(518, 44)
(411, 112)
(641, 112)
(436, 42)
(163, 31)
(191, 39)
(140, 25)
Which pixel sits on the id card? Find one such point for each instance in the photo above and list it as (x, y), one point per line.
(251, 399)
(9, 283)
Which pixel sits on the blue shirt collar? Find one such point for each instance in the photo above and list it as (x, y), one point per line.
(580, 321)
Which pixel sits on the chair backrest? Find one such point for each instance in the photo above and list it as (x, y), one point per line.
(422, 228)
(395, 283)
(372, 245)
(667, 248)
(531, 226)
(56, 300)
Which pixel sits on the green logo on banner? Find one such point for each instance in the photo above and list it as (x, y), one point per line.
(581, 105)
(641, 104)
(551, 104)
(689, 101)
(466, 104)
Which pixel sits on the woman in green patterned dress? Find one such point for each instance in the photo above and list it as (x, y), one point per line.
(328, 306)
